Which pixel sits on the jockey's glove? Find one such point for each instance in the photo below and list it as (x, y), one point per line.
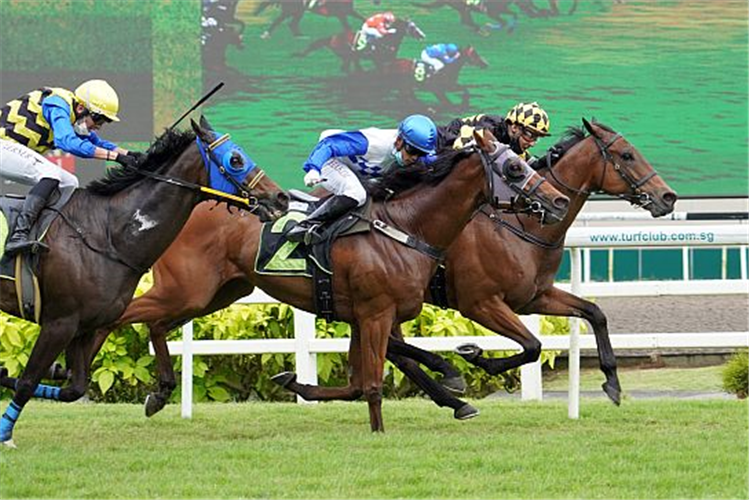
(312, 177)
(126, 160)
(137, 155)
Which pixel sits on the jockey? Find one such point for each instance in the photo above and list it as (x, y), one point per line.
(368, 152)
(524, 124)
(440, 54)
(50, 118)
(377, 26)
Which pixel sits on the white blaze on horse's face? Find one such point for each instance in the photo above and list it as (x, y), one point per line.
(145, 222)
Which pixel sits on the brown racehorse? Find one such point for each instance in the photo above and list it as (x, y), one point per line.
(345, 46)
(410, 75)
(294, 10)
(377, 280)
(504, 265)
(106, 237)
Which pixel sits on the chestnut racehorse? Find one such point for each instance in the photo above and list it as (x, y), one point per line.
(502, 265)
(376, 281)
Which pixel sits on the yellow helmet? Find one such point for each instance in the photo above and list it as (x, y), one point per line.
(530, 115)
(99, 97)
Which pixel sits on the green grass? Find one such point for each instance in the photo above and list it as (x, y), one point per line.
(644, 449)
(706, 378)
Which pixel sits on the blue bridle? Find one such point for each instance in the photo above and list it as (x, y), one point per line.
(222, 174)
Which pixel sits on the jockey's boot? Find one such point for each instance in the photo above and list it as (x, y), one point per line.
(307, 230)
(34, 203)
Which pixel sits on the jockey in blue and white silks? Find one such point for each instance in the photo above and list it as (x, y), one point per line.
(369, 152)
(440, 54)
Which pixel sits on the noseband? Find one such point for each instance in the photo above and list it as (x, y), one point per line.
(635, 197)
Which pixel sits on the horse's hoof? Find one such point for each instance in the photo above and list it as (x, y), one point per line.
(455, 384)
(469, 352)
(154, 404)
(265, 35)
(10, 444)
(284, 378)
(614, 393)
(465, 412)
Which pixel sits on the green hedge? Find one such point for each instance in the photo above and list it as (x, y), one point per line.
(123, 371)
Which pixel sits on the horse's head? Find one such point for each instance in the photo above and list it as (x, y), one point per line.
(631, 176)
(231, 171)
(515, 185)
(472, 57)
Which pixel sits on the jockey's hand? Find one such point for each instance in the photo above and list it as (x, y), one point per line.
(312, 178)
(126, 160)
(137, 155)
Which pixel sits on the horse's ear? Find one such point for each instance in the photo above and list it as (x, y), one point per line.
(195, 127)
(588, 127)
(204, 123)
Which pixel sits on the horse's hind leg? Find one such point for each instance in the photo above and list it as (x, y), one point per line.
(556, 302)
(52, 340)
(316, 393)
(497, 316)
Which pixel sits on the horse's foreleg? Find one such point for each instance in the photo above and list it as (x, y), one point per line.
(497, 316)
(438, 393)
(556, 302)
(78, 356)
(451, 377)
(375, 333)
(53, 338)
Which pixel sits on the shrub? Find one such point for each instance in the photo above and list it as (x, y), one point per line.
(736, 374)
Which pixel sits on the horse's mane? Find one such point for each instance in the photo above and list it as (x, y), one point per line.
(159, 156)
(572, 136)
(399, 179)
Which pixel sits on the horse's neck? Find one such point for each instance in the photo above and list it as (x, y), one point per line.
(146, 218)
(438, 214)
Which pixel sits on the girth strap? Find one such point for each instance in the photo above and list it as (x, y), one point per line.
(408, 240)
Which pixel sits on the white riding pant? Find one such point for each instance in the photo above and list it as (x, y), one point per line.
(21, 164)
(340, 180)
(437, 64)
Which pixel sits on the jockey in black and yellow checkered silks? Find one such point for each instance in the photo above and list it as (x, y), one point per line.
(521, 128)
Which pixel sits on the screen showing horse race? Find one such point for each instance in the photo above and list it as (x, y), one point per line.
(671, 76)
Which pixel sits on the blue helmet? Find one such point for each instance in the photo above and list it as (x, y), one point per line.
(451, 49)
(420, 132)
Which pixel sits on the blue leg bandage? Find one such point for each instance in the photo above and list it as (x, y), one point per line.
(46, 392)
(8, 421)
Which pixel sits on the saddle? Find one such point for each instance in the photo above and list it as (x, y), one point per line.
(23, 268)
(280, 257)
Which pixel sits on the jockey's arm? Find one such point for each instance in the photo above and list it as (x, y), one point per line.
(57, 113)
(336, 145)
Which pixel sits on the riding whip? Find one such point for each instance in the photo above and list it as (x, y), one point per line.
(194, 106)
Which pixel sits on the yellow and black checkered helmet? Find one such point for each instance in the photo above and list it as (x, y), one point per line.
(530, 115)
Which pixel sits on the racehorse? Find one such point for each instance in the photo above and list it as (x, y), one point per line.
(376, 280)
(108, 235)
(348, 46)
(504, 265)
(295, 9)
(409, 75)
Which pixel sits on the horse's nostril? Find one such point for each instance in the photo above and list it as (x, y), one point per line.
(670, 197)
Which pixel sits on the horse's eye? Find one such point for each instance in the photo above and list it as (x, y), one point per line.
(514, 170)
(236, 161)
(627, 156)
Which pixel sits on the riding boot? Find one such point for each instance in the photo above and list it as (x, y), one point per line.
(35, 202)
(307, 230)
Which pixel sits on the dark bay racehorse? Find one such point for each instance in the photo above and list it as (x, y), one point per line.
(410, 75)
(347, 46)
(376, 280)
(107, 236)
(502, 265)
(294, 10)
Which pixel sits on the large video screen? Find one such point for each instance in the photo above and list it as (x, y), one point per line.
(670, 75)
